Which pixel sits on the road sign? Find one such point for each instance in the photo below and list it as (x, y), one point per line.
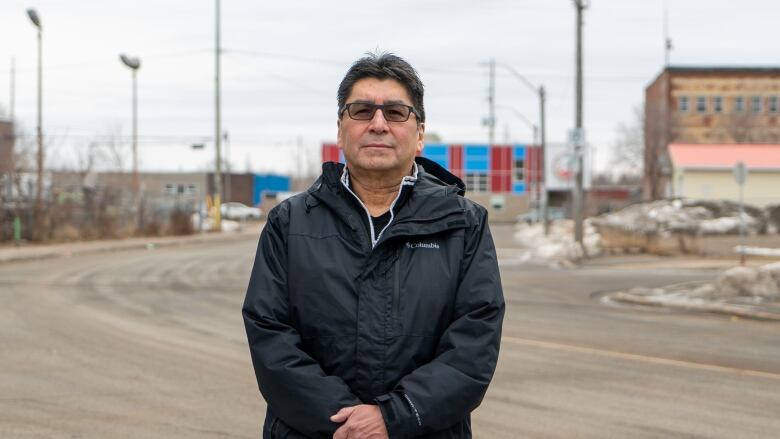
(577, 137)
(740, 173)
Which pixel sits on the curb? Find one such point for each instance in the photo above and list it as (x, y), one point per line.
(691, 305)
(62, 250)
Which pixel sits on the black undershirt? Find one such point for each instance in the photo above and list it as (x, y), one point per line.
(380, 221)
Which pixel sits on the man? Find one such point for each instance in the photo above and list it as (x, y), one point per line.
(374, 307)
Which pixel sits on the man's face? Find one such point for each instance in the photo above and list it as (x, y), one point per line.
(377, 145)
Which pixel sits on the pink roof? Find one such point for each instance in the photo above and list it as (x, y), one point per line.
(688, 155)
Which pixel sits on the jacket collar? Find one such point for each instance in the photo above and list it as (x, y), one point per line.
(436, 196)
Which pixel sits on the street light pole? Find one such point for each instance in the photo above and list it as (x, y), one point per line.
(217, 123)
(38, 210)
(134, 64)
(542, 185)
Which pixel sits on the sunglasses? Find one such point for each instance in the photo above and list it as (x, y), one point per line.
(391, 112)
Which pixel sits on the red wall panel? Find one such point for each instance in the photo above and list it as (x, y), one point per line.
(500, 168)
(456, 160)
(330, 152)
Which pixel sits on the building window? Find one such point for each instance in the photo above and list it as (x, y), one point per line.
(476, 182)
(755, 104)
(683, 104)
(701, 104)
(739, 104)
(520, 170)
(717, 104)
(773, 104)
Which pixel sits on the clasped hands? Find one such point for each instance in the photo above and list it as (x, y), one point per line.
(363, 421)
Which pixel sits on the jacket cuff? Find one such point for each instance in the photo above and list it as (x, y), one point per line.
(401, 419)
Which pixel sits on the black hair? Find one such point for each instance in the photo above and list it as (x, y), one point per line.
(384, 66)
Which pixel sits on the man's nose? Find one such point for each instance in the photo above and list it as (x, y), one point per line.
(378, 122)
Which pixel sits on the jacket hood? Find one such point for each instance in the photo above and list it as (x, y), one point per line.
(439, 175)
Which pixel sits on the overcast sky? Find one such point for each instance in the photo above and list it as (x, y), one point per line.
(283, 61)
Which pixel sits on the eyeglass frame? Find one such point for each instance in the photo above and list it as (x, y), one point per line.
(412, 110)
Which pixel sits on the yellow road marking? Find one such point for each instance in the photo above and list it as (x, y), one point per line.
(636, 357)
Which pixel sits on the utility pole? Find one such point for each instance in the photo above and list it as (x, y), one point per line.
(579, 142)
(667, 40)
(217, 128)
(543, 146)
(299, 159)
(492, 102)
(228, 168)
(38, 209)
(13, 88)
(17, 227)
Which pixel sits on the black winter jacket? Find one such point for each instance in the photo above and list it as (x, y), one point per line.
(412, 324)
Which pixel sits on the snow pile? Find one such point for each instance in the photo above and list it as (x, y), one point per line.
(739, 291)
(763, 282)
(666, 217)
(773, 217)
(559, 244)
(735, 285)
(207, 224)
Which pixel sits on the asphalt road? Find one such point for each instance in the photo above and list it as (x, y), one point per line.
(150, 343)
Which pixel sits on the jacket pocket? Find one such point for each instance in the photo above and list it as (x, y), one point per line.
(396, 287)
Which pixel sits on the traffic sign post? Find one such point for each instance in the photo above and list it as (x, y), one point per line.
(740, 175)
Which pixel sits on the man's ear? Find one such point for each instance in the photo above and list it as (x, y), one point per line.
(338, 133)
(420, 137)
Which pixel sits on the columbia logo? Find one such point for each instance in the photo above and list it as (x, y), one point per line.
(422, 245)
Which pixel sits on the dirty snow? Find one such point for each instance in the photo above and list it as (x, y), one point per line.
(665, 217)
(559, 245)
(745, 291)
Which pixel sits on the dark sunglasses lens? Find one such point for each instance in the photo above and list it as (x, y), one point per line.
(396, 113)
(361, 111)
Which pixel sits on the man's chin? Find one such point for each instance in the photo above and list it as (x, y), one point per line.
(375, 165)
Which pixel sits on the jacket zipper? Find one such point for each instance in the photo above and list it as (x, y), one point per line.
(397, 287)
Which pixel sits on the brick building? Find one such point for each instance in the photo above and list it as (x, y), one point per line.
(706, 105)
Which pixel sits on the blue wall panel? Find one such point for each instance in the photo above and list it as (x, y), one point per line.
(438, 153)
(519, 152)
(476, 158)
(269, 183)
(518, 188)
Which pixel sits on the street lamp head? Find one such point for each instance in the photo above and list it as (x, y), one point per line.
(134, 63)
(36, 20)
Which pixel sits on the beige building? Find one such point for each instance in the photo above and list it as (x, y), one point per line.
(706, 171)
(706, 105)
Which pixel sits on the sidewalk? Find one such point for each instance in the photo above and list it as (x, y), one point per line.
(31, 252)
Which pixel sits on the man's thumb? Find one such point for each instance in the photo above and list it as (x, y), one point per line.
(343, 414)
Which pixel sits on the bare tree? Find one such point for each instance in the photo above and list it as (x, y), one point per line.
(116, 149)
(629, 146)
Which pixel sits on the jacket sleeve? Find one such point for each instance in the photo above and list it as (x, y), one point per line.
(444, 391)
(291, 381)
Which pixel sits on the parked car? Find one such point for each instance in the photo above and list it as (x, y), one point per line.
(239, 211)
